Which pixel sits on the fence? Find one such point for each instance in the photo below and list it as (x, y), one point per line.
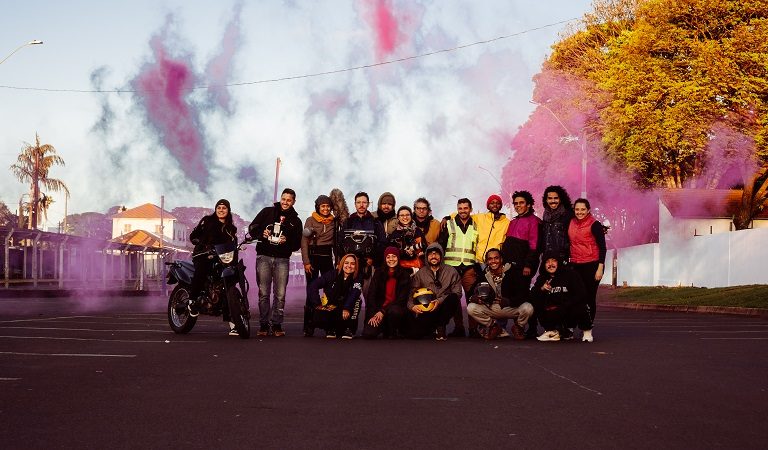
(715, 260)
(40, 259)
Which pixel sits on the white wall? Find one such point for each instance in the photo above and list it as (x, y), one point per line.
(717, 260)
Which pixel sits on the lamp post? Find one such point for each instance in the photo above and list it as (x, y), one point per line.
(33, 42)
(572, 138)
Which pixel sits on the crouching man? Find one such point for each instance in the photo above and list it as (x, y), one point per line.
(435, 294)
(491, 296)
(560, 299)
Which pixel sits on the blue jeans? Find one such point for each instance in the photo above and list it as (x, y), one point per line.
(271, 270)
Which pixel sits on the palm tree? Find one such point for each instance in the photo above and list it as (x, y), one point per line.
(32, 166)
(753, 199)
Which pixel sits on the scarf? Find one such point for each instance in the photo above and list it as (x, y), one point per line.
(323, 220)
(424, 225)
(554, 215)
(383, 217)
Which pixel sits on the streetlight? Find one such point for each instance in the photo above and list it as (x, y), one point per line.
(572, 138)
(33, 42)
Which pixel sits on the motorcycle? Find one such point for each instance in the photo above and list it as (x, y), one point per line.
(225, 290)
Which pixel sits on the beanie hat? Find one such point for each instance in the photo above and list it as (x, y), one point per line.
(224, 202)
(493, 197)
(392, 251)
(387, 197)
(322, 200)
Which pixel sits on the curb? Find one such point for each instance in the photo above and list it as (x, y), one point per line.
(734, 311)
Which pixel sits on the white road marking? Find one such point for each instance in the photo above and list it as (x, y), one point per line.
(87, 355)
(10, 379)
(86, 339)
(86, 329)
(734, 339)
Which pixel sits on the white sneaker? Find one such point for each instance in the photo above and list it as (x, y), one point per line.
(587, 337)
(503, 333)
(549, 336)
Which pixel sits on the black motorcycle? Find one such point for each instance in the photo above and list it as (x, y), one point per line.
(225, 291)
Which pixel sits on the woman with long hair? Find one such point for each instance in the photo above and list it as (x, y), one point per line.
(588, 250)
(337, 309)
(385, 306)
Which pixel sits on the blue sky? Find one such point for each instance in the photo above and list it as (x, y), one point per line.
(421, 127)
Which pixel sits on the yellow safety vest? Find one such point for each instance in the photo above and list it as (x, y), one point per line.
(461, 246)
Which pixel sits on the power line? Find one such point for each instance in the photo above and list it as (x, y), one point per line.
(298, 77)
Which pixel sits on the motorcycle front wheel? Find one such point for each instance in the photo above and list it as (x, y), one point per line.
(178, 314)
(238, 312)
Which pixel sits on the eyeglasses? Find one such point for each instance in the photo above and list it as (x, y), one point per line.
(404, 215)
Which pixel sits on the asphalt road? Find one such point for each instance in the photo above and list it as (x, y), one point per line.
(109, 373)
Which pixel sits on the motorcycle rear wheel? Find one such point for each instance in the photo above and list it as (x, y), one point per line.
(178, 314)
(238, 312)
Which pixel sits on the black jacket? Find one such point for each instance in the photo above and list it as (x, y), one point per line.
(290, 226)
(210, 231)
(377, 292)
(567, 289)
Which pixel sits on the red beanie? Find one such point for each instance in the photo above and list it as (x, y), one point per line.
(392, 251)
(493, 197)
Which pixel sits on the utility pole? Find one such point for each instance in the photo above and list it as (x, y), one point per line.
(161, 254)
(277, 176)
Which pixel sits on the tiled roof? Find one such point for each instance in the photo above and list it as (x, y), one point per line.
(705, 203)
(145, 211)
(143, 238)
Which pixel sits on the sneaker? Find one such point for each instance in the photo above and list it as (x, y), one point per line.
(587, 336)
(440, 334)
(347, 334)
(549, 336)
(517, 332)
(277, 330)
(233, 332)
(194, 308)
(330, 335)
(504, 333)
(263, 330)
(493, 332)
(457, 332)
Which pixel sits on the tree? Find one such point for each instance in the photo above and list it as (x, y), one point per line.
(32, 166)
(667, 72)
(7, 218)
(753, 200)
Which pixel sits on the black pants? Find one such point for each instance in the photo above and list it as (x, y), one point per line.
(202, 267)
(587, 273)
(424, 324)
(559, 317)
(521, 292)
(392, 324)
(331, 321)
(320, 264)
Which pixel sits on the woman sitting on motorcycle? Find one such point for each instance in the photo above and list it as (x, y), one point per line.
(336, 312)
(213, 229)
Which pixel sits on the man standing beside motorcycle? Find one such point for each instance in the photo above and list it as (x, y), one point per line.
(279, 231)
(213, 229)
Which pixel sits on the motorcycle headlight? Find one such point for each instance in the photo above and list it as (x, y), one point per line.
(227, 258)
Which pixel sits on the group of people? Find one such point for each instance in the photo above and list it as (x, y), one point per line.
(412, 270)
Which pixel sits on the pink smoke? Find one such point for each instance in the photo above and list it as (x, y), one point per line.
(382, 20)
(163, 87)
(220, 67)
(549, 149)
